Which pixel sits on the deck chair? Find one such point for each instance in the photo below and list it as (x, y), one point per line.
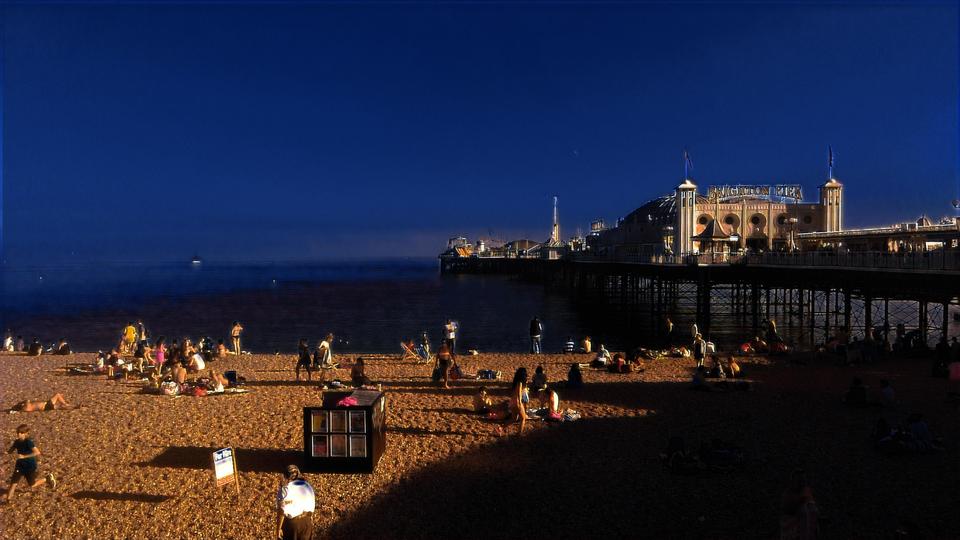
(408, 353)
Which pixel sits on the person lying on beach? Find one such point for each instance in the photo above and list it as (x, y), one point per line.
(618, 364)
(56, 403)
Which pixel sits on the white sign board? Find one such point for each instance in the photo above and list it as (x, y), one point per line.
(225, 467)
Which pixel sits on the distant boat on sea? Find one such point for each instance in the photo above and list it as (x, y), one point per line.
(196, 260)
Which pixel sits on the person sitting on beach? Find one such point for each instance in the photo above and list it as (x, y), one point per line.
(18, 344)
(856, 395)
(734, 367)
(918, 428)
(569, 346)
(717, 371)
(539, 379)
(445, 359)
(358, 373)
(586, 346)
(574, 376)
(698, 380)
(187, 351)
(887, 396)
(55, 403)
(217, 383)
(481, 401)
(35, 349)
(8, 343)
(179, 374)
(196, 364)
(619, 364)
(222, 351)
(550, 400)
(602, 358)
(63, 348)
(758, 345)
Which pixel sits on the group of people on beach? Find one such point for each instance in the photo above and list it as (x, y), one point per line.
(35, 347)
(514, 408)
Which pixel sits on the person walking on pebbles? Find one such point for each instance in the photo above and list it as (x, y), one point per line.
(296, 503)
(26, 464)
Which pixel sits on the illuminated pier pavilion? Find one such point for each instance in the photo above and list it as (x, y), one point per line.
(728, 219)
(737, 255)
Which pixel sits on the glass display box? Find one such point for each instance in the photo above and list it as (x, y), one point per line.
(345, 438)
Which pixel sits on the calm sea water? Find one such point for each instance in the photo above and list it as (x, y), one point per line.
(369, 306)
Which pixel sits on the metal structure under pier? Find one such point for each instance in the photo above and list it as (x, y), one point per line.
(729, 302)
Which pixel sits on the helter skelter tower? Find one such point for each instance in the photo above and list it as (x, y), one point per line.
(555, 231)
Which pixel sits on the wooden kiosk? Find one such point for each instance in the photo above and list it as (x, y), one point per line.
(345, 438)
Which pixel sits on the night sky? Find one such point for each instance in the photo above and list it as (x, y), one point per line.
(148, 132)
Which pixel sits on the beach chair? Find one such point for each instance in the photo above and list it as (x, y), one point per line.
(408, 353)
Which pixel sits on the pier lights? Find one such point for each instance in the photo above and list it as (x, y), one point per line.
(792, 221)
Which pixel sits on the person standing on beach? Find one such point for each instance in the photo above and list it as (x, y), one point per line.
(536, 330)
(450, 331)
(235, 335)
(668, 333)
(699, 350)
(303, 360)
(26, 464)
(141, 331)
(296, 503)
(323, 358)
(129, 338)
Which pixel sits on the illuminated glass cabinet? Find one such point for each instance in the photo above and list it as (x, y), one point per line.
(345, 438)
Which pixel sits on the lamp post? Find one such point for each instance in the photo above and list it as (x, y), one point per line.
(793, 230)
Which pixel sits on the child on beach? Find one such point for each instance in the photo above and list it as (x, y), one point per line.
(26, 465)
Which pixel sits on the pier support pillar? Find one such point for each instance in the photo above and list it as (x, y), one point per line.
(945, 324)
(867, 316)
(922, 316)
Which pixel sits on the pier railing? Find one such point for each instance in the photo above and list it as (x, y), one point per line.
(942, 260)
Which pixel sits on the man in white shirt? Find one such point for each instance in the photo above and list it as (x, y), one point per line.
(295, 505)
(450, 331)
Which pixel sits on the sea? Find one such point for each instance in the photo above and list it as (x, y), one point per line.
(369, 306)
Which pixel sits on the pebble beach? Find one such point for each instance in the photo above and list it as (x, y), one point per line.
(136, 465)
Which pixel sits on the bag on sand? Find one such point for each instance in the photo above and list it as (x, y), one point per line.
(436, 375)
(169, 388)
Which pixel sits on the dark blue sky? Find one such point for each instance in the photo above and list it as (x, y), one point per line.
(150, 132)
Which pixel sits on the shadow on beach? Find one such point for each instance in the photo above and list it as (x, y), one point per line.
(260, 460)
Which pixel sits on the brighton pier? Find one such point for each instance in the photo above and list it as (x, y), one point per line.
(744, 254)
